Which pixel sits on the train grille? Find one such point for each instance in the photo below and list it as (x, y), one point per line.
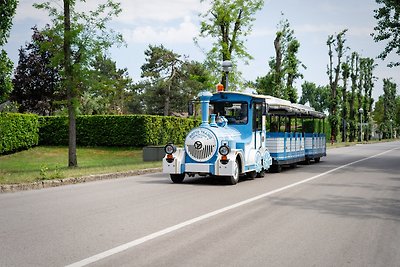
(202, 154)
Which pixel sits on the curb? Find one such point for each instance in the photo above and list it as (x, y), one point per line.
(10, 188)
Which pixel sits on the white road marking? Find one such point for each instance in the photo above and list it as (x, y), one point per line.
(176, 227)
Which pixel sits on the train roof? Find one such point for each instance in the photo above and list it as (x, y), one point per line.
(278, 106)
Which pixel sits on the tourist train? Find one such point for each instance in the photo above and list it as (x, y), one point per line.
(245, 135)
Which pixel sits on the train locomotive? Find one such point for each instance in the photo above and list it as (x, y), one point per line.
(245, 135)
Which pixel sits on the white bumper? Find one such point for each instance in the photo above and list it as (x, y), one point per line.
(178, 165)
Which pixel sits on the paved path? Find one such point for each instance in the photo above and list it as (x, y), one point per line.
(343, 211)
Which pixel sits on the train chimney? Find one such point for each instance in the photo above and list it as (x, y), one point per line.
(205, 97)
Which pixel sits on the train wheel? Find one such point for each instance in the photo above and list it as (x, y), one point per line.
(177, 178)
(276, 168)
(251, 175)
(234, 179)
(260, 174)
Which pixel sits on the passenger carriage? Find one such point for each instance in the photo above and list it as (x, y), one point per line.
(245, 134)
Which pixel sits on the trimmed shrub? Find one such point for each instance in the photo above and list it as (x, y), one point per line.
(111, 130)
(18, 131)
(317, 126)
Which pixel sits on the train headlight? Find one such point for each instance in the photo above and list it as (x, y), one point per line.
(224, 150)
(170, 149)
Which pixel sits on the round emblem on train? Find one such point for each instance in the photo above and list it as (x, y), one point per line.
(201, 144)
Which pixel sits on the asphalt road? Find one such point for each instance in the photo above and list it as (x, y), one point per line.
(343, 211)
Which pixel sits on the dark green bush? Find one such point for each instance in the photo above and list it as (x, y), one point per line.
(317, 126)
(18, 131)
(130, 130)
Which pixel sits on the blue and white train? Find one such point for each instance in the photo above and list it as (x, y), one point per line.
(246, 135)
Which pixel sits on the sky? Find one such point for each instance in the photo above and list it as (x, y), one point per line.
(174, 23)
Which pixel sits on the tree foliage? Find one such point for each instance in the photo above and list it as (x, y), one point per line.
(316, 96)
(108, 90)
(353, 104)
(36, 83)
(335, 43)
(163, 72)
(388, 28)
(389, 106)
(8, 8)
(284, 67)
(170, 81)
(228, 22)
(76, 38)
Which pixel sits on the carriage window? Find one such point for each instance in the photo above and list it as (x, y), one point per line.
(234, 112)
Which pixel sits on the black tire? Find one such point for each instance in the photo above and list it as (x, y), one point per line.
(260, 174)
(234, 179)
(251, 175)
(317, 160)
(177, 178)
(276, 168)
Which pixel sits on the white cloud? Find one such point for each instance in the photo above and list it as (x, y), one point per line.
(132, 10)
(182, 33)
(159, 10)
(26, 11)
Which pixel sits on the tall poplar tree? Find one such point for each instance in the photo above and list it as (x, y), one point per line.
(284, 67)
(335, 43)
(353, 105)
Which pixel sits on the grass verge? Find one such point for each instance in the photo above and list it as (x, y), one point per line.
(46, 163)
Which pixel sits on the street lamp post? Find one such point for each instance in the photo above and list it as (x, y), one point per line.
(361, 112)
(226, 67)
(391, 129)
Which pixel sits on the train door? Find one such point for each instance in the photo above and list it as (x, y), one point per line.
(258, 125)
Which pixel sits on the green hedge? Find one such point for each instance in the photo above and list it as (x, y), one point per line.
(317, 126)
(18, 131)
(130, 130)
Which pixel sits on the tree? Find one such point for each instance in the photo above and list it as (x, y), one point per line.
(292, 64)
(397, 119)
(353, 107)
(284, 67)
(108, 90)
(336, 43)
(378, 114)
(76, 38)
(7, 13)
(389, 106)
(388, 28)
(162, 71)
(316, 96)
(366, 72)
(170, 81)
(345, 77)
(36, 83)
(227, 22)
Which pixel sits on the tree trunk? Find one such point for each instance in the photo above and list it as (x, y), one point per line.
(72, 160)
(278, 65)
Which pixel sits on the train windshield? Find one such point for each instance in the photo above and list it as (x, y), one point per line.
(234, 112)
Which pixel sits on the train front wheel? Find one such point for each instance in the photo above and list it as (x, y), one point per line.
(234, 179)
(177, 178)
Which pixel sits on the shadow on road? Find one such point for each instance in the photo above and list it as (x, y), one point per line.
(347, 206)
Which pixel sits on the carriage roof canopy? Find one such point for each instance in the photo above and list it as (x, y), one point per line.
(278, 106)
